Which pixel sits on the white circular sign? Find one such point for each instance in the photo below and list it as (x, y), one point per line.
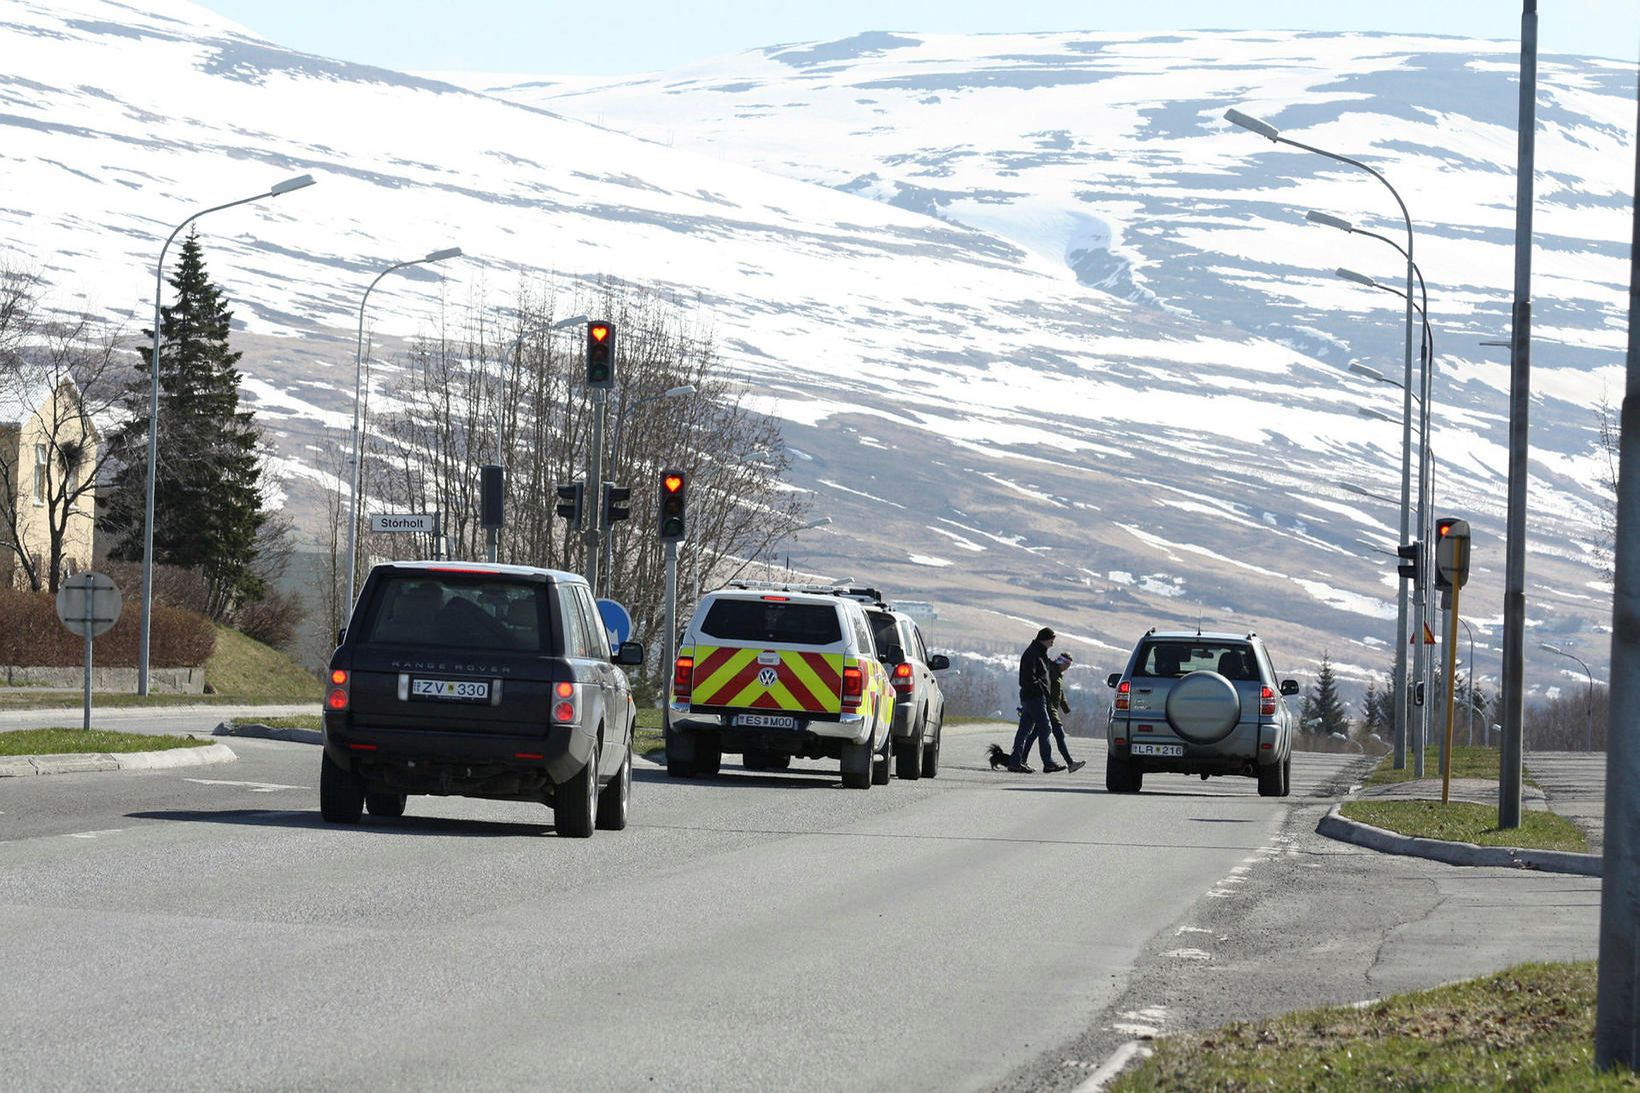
(88, 603)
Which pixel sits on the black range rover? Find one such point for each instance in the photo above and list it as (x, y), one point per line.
(478, 680)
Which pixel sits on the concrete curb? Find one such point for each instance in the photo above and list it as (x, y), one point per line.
(1334, 825)
(259, 731)
(88, 762)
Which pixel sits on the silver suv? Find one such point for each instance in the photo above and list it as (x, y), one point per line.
(1199, 703)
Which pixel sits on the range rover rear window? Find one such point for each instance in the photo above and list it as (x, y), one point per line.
(461, 613)
(772, 622)
(1171, 659)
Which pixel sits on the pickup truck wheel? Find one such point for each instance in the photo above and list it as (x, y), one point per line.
(616, 800)
(341, 798)
(708, 753)
(1269, 781)
(931, 754)
(387, 805)
(857, 764)
(577, 800)
(680, 755)
(1121, 776)
(882, 762)
(908, 759)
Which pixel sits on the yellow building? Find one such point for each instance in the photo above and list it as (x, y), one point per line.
(48, 456)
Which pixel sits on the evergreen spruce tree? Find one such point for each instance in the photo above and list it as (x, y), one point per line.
(207, 494)
(1323, 710)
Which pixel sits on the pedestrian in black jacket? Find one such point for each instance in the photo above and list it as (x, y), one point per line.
(1035, 685)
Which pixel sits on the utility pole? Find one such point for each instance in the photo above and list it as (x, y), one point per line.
(670, 646)
(1520, 402)
(1617, 1005)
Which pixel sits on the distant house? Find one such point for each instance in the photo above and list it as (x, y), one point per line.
(47, 450)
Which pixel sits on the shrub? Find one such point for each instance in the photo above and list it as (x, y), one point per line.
(32, 636)
(273, 620)
(174, 586)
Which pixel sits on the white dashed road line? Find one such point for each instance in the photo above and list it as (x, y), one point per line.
(94, 834)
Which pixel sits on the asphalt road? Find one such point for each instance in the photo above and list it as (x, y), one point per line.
(203, 929)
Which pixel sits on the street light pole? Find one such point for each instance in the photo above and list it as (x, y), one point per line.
(1269, 132)
(1471, 633)
(615, 454)
(285, 187)
(1588, 693)
(358, 374)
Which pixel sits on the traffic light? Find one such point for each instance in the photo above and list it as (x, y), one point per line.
(492, 495)
(674, 494)
(600, 354)
(617, 503)
(1408, 567)
(570, 498)
(1451, 552)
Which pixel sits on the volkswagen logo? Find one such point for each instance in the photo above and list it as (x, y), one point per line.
(768, 677)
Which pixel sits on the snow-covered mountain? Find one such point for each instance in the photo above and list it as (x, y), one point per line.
(1052, 340)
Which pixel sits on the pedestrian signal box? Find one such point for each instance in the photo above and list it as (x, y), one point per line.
(1451, 552)
(1408, 566)
(570, 503)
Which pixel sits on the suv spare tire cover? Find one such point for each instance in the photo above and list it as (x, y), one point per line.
(1203, 707)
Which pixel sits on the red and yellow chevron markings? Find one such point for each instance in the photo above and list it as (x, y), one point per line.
(800, 682)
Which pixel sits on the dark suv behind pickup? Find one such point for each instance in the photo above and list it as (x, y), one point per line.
(473, 680)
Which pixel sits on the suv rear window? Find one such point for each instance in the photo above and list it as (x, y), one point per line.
(772, 621)
(886, 629)
(461, 613)
(1170, 659)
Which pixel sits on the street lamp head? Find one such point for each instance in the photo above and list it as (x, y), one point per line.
(441, 255)
(1550, 648)
(1329, 221)
(1371, 373)
(1376, 414)
(297, 183)
(674, 392)
(1358, 278)
(573, 320)
(1252, 125)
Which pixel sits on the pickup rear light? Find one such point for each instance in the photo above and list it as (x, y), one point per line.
(1122, 693)
(683, 679)
(1266, 702)
(854, 686)
(337, 698)
(903, 681)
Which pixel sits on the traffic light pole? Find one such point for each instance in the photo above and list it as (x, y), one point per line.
(669, 646)
(591, 514)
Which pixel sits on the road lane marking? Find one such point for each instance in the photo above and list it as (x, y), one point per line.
(1189, 954)
(254, 787)
(94, 834)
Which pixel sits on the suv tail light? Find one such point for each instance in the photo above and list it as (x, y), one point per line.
(903, 681)
(854, 685)
(565, 708)
(683, 679)
(1122, 693)
(1266, 702)
(337, 698)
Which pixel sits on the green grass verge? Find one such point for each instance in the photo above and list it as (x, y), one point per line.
(1466, 822)
(301, 721)
(72, 741)
(1530, 1027)
(1468, 761)
(244, 670)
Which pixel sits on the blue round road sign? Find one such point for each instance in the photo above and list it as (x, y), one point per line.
(617, 621)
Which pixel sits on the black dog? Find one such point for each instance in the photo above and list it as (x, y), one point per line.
(1000, 760)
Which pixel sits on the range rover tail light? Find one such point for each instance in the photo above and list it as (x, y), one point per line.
(564, 708)
(337, 698)
(854, 686)
(1123, 692)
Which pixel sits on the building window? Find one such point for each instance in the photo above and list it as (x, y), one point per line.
(42, 466)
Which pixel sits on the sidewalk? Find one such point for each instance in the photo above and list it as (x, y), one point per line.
(1571, 784)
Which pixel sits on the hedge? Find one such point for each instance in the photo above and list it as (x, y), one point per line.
(31, 636)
